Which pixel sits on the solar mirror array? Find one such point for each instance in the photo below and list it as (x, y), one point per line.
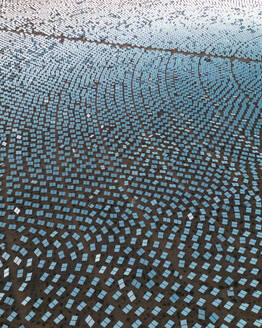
(130, 164)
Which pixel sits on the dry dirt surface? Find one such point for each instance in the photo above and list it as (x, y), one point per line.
(130, 164)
